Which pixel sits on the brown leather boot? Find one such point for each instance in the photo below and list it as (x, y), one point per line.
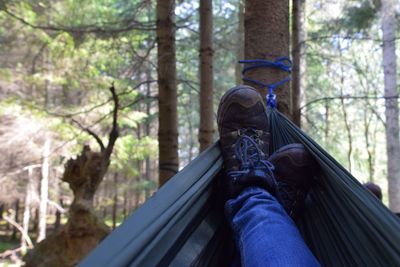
(244, 139)
(294, 171)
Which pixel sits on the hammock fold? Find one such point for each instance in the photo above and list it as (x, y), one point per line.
(183, 223)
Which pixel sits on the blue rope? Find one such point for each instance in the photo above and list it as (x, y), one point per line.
(282, 63)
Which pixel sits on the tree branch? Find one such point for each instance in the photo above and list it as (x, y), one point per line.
(347, 97)
(21, 229)
(344, 37)
(12, 253)
(84, 29)
(57, 206)
(70, 115)
(90, 132)
(114, 130)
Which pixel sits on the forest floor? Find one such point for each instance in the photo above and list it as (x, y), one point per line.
(9, 247)
(10, 255)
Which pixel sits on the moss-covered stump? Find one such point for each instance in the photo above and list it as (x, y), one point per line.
(69, 245)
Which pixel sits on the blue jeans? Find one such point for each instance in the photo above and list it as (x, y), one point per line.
(265, 235)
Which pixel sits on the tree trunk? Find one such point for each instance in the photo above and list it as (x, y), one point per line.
(84, 175)
(57, 222)
(327, 122)
(206, 131)
(368, 146)
(137, 199)
(346, 119)
(167, 93)
(44, 191)
(190, 129)
(35, 220)
(148, 121)
(391, 102)
(27, 212)
(125, 203)
(115, 201)
(266, 24)
(58, 198)
(83, 231)
(298, 56)
(1, 211)
(16, 219)
(240, 43)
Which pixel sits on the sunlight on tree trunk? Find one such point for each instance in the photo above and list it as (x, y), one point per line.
(388, 14)
(27, 212)
(298, 56)
(44, 191)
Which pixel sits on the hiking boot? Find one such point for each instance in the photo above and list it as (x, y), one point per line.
(244, 139)
(374, 189)
(294, 171)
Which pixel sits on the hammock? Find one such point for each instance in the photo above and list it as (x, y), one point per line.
(183, 223)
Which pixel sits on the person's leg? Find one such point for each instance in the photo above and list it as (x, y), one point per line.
(264, 233)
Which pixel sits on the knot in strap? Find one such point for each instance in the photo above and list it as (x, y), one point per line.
(281, 63)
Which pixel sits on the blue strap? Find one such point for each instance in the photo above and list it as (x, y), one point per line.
(282, 63)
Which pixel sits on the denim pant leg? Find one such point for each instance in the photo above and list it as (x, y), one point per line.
(265, 235)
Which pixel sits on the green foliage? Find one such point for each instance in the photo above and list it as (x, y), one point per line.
(129, 150)
(359, 18)
(64, 74)
(344, 56)
(5, 74)
(7, 245)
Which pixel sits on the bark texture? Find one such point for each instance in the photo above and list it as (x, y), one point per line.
(391, 104)
(266, 25)
(167, 92)
(206, 131)
(298, 57)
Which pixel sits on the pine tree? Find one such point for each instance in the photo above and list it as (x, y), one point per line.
(266, 25)
(206, 131)
(167, 93)
(391, 103)
(298, 56)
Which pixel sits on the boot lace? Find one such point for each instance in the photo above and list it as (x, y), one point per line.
(251, 157)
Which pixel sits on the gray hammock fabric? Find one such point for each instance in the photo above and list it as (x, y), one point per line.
(183, 223)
